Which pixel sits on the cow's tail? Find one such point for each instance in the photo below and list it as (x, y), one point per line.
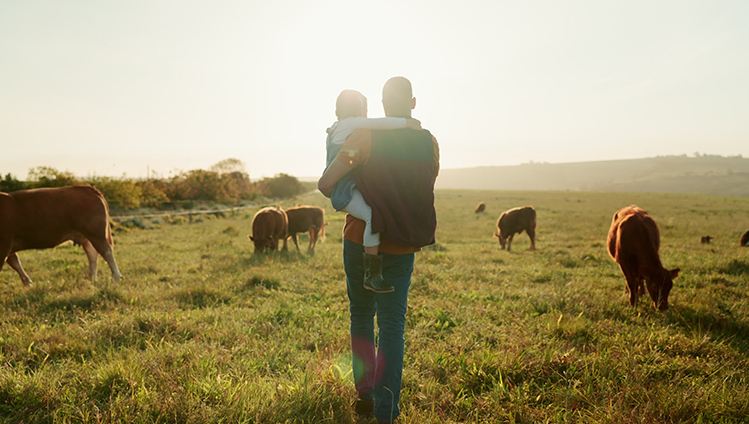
(101, 197)
(322, 232)
(110, 241)
(533, 220)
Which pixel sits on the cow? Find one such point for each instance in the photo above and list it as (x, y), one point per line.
(306, 219)
(480, 207)
(268, 226)
(633, 242)
(706, 239)
(744, 241)
(43, 218)
(515, 221)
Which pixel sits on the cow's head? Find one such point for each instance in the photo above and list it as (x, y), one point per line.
(262, 243)
(659, 290)
(502, 239)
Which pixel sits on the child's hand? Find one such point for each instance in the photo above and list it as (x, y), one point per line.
(413, 124)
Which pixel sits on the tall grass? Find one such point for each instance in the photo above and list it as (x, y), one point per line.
(201, 330)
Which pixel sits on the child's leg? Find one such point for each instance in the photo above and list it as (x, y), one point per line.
(358, 208)
(373, 279)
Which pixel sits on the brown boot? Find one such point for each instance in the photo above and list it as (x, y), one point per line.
(373, 279)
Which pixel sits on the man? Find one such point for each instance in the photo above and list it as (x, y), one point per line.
(395, 171)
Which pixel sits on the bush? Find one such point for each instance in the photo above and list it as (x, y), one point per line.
(152, 192)
(10, 183)
(280, 186)
(226, 182)
(122, 193)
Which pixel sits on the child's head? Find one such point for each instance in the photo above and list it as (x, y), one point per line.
(350, 103)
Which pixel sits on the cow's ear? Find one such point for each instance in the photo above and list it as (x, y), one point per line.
(674, 272)
(251, 238)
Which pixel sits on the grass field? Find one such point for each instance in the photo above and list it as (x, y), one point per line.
(202, 331)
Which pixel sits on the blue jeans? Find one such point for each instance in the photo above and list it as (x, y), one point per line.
(377, 375)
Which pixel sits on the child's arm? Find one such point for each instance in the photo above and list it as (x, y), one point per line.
(349, 125)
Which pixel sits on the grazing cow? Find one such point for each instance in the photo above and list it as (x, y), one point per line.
(268, 226)
(633, 242)
(745, 239)
(515, 221)
(303, 219)
(706, 239)
(480, 207)
(46, 217)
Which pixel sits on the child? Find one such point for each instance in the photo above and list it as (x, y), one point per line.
(351, 110)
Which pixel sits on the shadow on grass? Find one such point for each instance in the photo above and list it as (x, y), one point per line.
(258, 281)
(735, 267)
(33, 295)
(200, 297)
(720, 328)
(87, 302)
(280, 257)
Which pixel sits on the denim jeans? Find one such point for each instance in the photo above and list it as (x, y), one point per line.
(377, 374)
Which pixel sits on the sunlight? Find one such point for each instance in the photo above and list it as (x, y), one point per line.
(360, 51)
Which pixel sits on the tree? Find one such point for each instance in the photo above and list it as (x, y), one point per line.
(229, 166)
(45, 176)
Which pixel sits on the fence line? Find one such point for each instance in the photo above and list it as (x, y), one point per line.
(189, 213)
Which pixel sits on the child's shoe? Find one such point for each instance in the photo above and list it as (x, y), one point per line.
(373, 275)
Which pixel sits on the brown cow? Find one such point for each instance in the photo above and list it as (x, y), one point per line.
(633, 242)
(744, 241)
(46, 217)
(303, 219)
(515, 221)
(480, 207)
(268, 226)
(706, 239)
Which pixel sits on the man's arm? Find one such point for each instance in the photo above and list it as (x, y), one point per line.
(335, 172)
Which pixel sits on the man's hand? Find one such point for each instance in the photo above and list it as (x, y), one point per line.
(335, 172)
(413, 124)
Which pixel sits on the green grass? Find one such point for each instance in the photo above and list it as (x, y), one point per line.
(202, 331)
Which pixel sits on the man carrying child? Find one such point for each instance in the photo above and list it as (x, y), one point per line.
(394, 170)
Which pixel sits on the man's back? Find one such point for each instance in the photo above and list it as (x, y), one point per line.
(395, 172)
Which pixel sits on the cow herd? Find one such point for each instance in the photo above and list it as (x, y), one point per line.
(633, 242)
(46, 217)
(271, 224)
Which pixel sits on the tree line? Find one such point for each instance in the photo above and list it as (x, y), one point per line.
(224, 182)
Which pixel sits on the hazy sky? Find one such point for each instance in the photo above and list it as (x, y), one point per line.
(118, 87)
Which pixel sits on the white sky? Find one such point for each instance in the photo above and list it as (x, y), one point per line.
(112, 88)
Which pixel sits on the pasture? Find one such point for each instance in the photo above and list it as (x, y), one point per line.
(202, 331)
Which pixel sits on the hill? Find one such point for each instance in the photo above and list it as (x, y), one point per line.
(704, 174)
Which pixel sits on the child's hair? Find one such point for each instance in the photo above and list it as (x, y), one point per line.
(350, 103)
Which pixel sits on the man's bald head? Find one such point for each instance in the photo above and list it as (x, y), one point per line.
(397, 97)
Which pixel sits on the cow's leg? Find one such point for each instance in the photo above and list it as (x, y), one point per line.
(532, 235)
(312, 238)
(285, 246)
(15, 263)
(105, 250)
(296, 242)
(509, 242)
(93, 257)
(633, 284)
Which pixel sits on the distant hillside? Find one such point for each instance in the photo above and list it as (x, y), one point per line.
(706, 174)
